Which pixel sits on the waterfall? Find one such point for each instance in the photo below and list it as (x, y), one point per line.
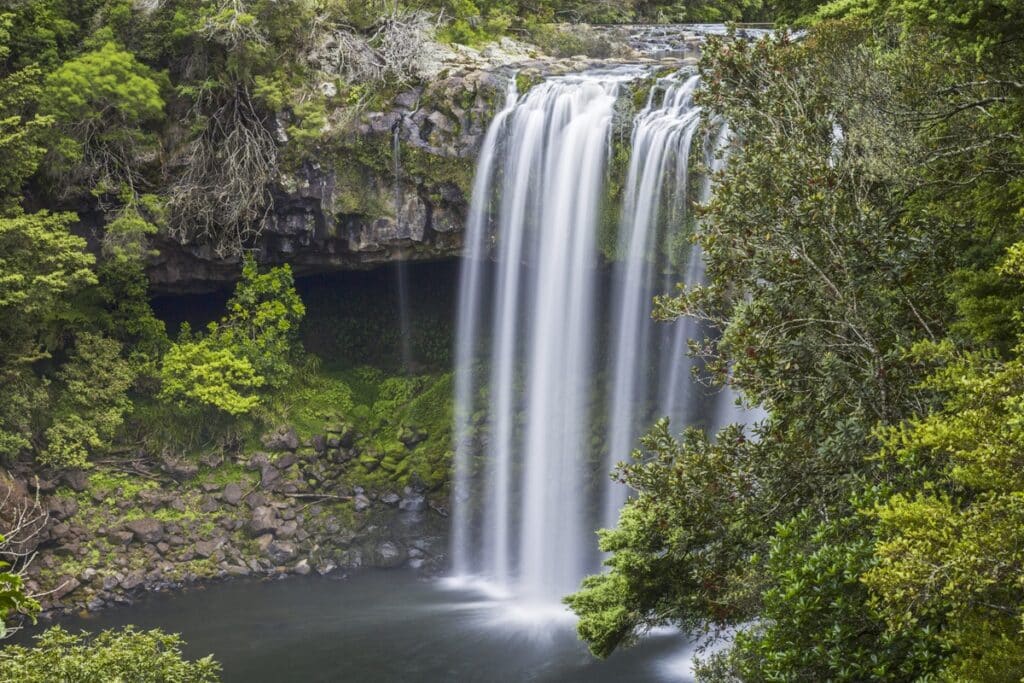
(662, 136)
(401, 274)
(539, 319)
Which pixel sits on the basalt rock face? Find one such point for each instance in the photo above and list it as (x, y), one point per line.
(394, 185)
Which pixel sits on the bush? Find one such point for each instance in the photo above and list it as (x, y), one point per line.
(128, 655)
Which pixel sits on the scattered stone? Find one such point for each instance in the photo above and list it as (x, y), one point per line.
(232, 494)
(133, 579)
(61, 508)
(361, 502)
(281, 440)
(146, 530)
(285, 461)
(262, 520)
(77, 480)
(180, 469)
(282, 551)
(388, 555)
(263, 542)
(208, 548)
(391, 498)
(120, 537)
(287, 530)
(413, 502)
(208, 504)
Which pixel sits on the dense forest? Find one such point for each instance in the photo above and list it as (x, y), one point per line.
(866, 282)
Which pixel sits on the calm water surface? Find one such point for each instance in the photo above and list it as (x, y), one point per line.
(384, 626)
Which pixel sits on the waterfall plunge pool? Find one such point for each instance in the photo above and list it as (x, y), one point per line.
(382, 625)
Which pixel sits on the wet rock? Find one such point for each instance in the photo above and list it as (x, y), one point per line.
(281, 440)
(388, 555)
(361, 502)
(320, 443)
(391, 498)
(325, 567)
(413, 502)
(232, 494)
(301, 567)
(133, 579)
(146, 530)
(282, 551)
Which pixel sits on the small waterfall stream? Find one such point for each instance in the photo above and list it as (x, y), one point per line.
(540, 321)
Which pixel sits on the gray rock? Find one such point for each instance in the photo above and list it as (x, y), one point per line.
(361, 502)
(281, 440)
(413, 502)
(77, 480)
(208, 504)
(208, 548)
(391, 498)
(263, 542)
(179, 468)
(262, 520)
(120, 537)
(285, 461)
(61, 508)
(133, 579)
(146, 530)
(388, 555)
(232, 494)
(302, 567)
(286, 530)
(282, 551)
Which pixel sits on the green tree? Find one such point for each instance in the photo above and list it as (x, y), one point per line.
(41, 263)
(254, 345)
(91, 402)
(126, 655)
(105, 104)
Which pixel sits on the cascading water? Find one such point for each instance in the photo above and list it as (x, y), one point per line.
(662, 137)
(530, 484)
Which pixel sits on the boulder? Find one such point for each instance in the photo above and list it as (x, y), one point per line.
(286, 530)
(232, 494)
(282, 551)
(281, 439)
(120, 537)
(147, 530)
(413, 502)
(388, 555)
(77, 480)
(208, 548)
(262, 520)
(61, 508)
(133, 579)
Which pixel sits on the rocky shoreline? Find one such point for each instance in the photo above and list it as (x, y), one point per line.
(284, 510)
